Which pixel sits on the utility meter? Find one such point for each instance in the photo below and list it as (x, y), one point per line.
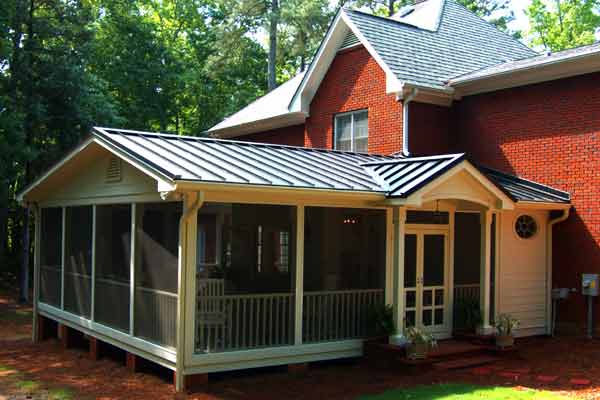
(589, 284)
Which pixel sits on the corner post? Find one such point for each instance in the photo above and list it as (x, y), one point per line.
(186, 265)
(36, 334)
(399, 221)
(485, 271)
(299, 294)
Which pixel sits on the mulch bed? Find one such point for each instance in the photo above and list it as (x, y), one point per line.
(568, 366)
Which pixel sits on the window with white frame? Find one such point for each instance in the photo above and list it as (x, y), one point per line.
(351, 131)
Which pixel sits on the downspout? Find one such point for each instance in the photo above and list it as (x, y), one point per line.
(549, 314)
(405, 103)
(188, 213)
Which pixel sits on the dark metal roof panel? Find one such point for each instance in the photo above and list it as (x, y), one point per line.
(188, 158)
(525, 190)
(403, 176)
(226, 161)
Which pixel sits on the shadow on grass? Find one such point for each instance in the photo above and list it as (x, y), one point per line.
(463, 392)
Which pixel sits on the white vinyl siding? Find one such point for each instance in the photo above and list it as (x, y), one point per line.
(523, 275)
(351, 131)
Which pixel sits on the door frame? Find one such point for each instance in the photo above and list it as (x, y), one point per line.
(420, 230)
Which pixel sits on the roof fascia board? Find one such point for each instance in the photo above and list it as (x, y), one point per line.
(163, 180)
(21, 196)
(279, 121)
(541, 205)
(340, 26)
(559, 69)
(392, 83)
(186, 185)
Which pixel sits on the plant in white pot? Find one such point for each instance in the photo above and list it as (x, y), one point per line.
(419, 343)
(505, 326)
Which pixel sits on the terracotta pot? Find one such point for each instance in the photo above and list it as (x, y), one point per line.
(505, 340)
(417, 351)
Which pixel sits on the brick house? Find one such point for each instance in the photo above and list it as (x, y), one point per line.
(425, 161)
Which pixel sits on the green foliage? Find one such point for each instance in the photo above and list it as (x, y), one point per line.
(415, 335)
(381, 320)
(562, 24)
(456, 391)
(467, 314)
(496, 12)
(506, 324)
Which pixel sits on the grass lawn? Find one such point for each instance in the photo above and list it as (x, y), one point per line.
(13, 383)
(463, 392)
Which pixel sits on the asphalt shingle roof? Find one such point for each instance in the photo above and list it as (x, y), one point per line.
(462, 43)
(528, 63)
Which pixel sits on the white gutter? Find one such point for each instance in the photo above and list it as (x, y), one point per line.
(405, 103)
(551, 223)
(188, 213)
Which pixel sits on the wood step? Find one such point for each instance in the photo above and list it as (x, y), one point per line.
(465, 362)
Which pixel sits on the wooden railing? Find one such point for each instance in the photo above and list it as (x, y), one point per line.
(466, 291)
(155, 316)
(238, 322)
(338, 315)
(111, 305)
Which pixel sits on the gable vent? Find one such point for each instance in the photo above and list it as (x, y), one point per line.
(113, 172)
(349, 41)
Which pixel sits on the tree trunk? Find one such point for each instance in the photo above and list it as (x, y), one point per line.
(3, 223)
(391, 7)
(29, 132)
(274, 21)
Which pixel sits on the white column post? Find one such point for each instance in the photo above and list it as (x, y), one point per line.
(399, 219)
(132, 268)
(299, 273)
(450, 295)
(186, 268)
(36, 270)
(389, 256)
(63, 258)
(93, 277)
(485, 271)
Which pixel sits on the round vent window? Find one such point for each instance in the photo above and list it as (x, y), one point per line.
(526, 227)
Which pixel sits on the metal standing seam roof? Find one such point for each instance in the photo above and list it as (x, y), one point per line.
(520, 189)
(404, 176)
(195, 159)
(186, 158)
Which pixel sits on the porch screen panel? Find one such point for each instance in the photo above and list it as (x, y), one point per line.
(157, 244)
(344, 272)
(51, 256)
(113, 265)
(245, 277)
(78, 260)
(467, 250)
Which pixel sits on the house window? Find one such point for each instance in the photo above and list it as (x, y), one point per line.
(351, 131)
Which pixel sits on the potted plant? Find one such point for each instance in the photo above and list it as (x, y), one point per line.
(419, 343)
(467, 315)
(505, 325)
(381, 322)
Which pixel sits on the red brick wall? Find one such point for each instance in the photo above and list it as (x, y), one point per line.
(291, 135)
(355, 81)
(550, 133)
(429, 129)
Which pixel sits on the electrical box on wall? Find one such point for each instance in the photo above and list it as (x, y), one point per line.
(589, 284)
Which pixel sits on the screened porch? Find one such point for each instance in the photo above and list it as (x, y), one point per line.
(247, 285)
(92, 267)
